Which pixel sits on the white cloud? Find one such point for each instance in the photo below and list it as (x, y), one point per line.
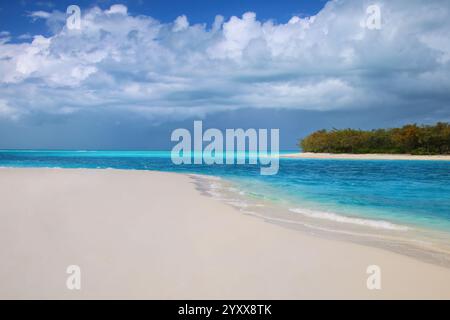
(325, 62)
(181, 23)
(117, 9)
(40, 14)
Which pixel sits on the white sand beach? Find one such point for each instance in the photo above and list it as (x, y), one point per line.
(153, 235)
(366, 156)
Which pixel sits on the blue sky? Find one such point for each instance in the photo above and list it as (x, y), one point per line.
(136, 70)
(14, 14)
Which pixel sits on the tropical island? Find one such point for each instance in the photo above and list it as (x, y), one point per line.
(424, 142)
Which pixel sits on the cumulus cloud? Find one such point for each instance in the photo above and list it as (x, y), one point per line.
(121, 62)
(117, 9)
(181, 23)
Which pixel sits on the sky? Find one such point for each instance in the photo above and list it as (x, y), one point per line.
(136, 70)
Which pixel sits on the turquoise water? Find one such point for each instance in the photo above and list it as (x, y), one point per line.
(411, 193)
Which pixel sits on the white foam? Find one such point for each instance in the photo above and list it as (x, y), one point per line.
(205, 177)
(237, 203)
(379, 224)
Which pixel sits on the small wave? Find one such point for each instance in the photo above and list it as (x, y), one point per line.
(379, 224)
(237, 203)
(205, 177)
(213, 193)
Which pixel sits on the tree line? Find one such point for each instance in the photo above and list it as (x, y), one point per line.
(409, 139)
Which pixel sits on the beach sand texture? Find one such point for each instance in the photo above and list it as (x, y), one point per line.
(153, 235)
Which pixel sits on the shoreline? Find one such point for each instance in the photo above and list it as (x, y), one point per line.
(366, 156)
(132, 240)
(423, 244)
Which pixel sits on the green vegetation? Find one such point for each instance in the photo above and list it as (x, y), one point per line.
(411, 139)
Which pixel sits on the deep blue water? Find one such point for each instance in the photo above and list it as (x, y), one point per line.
(414, 193)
